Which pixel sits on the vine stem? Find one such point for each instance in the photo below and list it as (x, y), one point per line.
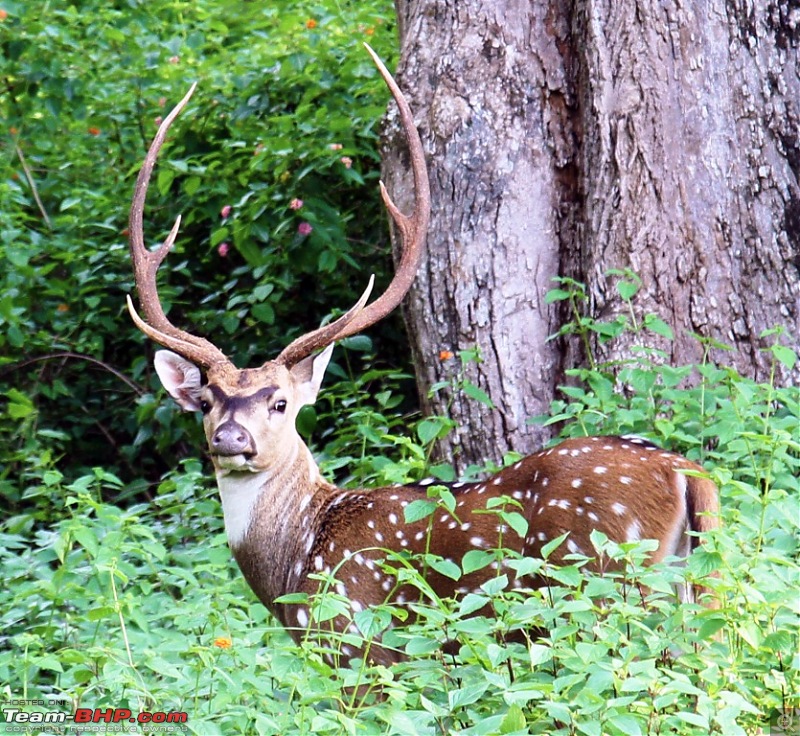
(75, 356)
(32, 184)
(118, 607)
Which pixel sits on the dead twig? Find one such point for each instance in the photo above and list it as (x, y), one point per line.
(32, 184)
(74, 356)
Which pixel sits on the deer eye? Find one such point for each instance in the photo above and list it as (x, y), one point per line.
(280, 406)
(205, 407)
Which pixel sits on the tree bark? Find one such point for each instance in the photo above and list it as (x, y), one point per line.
(573, 138)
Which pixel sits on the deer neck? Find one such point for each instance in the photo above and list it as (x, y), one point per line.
(269, 516)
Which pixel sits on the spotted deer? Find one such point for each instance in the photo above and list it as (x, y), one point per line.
(284, 521)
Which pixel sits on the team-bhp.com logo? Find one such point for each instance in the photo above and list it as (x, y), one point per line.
(785, 722)
(29, 721)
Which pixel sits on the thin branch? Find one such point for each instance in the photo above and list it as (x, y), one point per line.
(75, 356)
(32, 185)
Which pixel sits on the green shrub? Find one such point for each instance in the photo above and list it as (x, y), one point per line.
(144, 608)
(287, 110)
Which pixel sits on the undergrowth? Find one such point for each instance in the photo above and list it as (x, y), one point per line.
(143, 607)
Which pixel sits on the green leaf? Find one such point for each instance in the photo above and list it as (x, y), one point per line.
(263, 313)
(20, 405)
(69, 203)
(478, 394)
(476, 559)
(626, 724)
(445, 567)
(219, 235)
(472, 602)
(164, 180)
(100, 612)
(539, 654)
(514, 720)
(654, 324)
(627, 289)
(460, 697)
(516, 521)
(192, 184)
(19, 258)
(553, 544)
(786, 356)
(556, 295)
(359, 343)
(422, 508)
(431, 429)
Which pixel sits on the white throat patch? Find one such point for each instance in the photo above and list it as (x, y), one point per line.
(239, 493)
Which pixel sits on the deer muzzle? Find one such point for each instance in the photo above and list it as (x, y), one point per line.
(230, 439)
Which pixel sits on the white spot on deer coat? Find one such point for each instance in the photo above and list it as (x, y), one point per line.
(618, 508)
(574, 547)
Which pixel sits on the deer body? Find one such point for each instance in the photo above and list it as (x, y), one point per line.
(349, 530)
(284, 521)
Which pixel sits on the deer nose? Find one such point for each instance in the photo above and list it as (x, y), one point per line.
(232, 439)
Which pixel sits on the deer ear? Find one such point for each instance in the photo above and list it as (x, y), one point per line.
(181, 378)
(308, 375)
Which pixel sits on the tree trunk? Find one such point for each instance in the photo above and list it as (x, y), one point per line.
(573, 138)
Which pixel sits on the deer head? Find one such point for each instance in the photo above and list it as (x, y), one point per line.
(249, 414)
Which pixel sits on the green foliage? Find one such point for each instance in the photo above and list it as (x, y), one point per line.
(143, 607)
(280, 137)
(119, 594)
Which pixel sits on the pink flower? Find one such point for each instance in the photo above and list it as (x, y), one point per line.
(347, 161)
(158, 120)
(225, 212)
(174, 59)
(304, 228)
(295, 204)
(223, 249)
(335, 146)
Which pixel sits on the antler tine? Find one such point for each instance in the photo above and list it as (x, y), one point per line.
(412, 229)
(325, 335)
(146, 263)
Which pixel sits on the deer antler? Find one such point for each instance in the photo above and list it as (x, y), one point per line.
(146, 262)
(412, 233)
